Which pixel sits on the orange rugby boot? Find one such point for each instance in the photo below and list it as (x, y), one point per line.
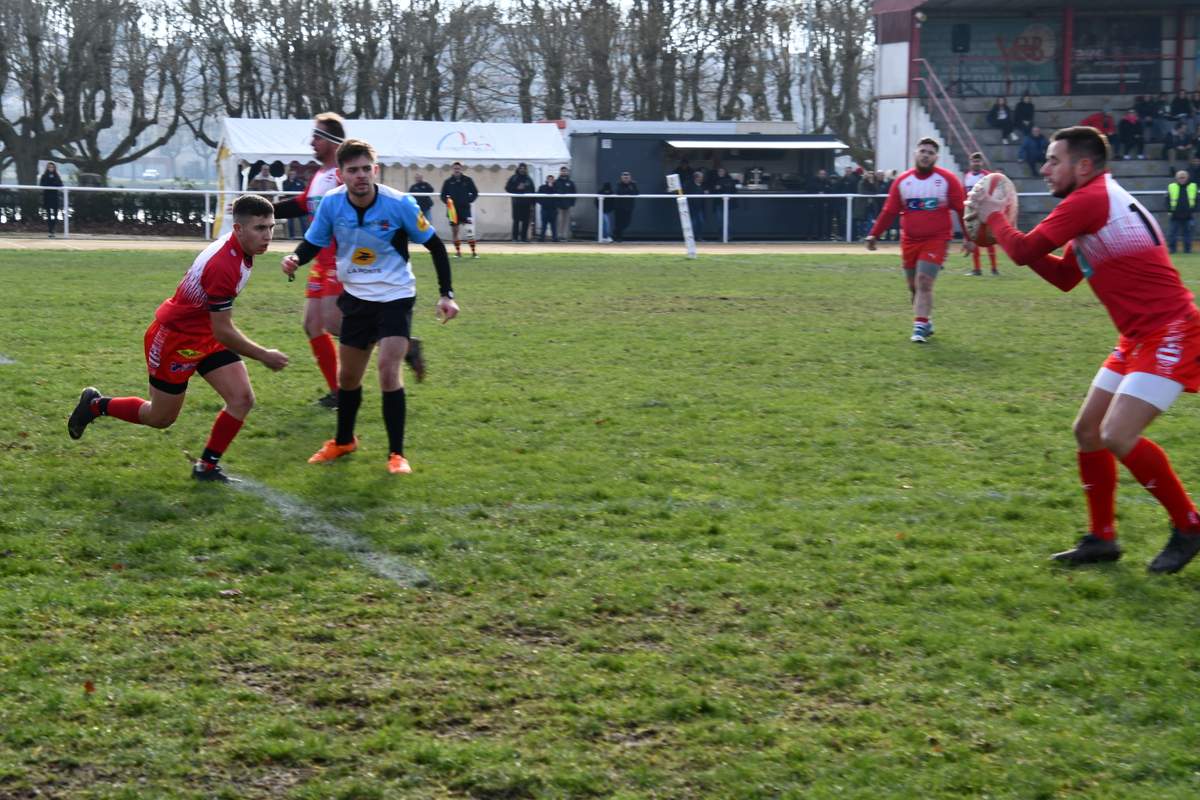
(332, 451)
(398, 465)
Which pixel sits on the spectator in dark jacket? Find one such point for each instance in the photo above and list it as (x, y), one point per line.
(1177, 144)
(1130, 136)
(51, 197)
(564, 185)
(1023, 115)
(294, 184)
(623, 205)
(520, 183)
(459, 190)
(695, 191)
(1000, 116)
(1181, 107)
(422, 185)
(1160, 120)
(548, 205)
(1033, 150)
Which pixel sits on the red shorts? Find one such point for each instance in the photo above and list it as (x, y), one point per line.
(172, 357)
(931, 250)
(322, 281)
(1171, 352)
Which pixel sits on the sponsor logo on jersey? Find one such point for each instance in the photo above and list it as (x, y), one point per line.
(422, 223)
(188, 353)
(363, 257)
(384, 225)
(922, 204)
(177, 367)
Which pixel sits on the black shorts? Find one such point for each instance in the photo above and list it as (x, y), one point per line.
(210, 362)
(365, 322)
(464, 213)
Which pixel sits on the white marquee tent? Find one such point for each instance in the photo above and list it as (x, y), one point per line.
(489, 152)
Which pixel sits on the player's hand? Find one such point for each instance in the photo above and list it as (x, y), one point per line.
(447, 309)
(870, 240)
(289, 265)
(274, 360)
(986, 205)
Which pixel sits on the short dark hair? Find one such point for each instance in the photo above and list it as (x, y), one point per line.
(331, 122)
(354, 148)
(1084, 141)
(931, 142)
(457, 164)
(252, 205)
(977, 155)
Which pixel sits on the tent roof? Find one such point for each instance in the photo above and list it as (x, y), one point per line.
(406, 142)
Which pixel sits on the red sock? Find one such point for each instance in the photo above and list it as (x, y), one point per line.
(991, 257)
(921, 319)
(223, 430)
(326, 352)
(1098, 471)
(458, 246)
(975, 258)
(472, 243)
(126, 408)
(1150, 465)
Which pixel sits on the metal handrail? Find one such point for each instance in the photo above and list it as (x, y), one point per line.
(945, 106)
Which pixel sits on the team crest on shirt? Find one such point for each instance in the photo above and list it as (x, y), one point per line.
(363, 257)
(188, 353)
(422, 223)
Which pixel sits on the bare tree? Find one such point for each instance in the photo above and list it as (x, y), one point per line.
(840, 50)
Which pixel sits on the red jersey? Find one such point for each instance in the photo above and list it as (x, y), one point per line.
(323, 182)
(972, 178)
(1114, 242)
(215, 278)
(924, 205)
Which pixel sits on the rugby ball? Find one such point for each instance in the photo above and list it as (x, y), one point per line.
(998, 186)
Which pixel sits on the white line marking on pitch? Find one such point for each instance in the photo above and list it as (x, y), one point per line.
(5, 360)
(308, 520)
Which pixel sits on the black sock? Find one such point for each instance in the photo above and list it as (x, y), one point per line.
(348, 402)
(394, 410)
(210, 456)
(102, 406)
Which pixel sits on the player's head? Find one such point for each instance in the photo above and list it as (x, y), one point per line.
(357, 167)
(253, 223)
(1075, 156)
(976, 161)
(926, 154)
(456, 168)
(329, 131)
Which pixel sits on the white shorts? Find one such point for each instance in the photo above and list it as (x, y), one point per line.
(1156, 390)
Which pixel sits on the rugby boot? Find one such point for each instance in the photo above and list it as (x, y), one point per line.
(211, 473)
(332, 451)
(416, 358)
(1180, 549)
(398, 465)
(1090, 550)
(82, 416)
(328, 400)
(921, 332)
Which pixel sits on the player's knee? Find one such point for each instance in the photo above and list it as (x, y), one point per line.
(159, 419)
(1117, 440)
(240, 402)
(1087, 435)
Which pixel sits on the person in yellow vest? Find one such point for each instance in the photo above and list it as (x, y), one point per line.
(1181, 202)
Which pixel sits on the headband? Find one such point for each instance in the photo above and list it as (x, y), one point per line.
(327, 136)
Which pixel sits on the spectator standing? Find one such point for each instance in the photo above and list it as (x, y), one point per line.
(548, 204)
(1000, 116)
(564, 185)
(695, 191)
(293, 183)
(424, 201)
(1194, 168)
(459, 190)
(519, 183)
(1033, 150)
(51, 197)
(868, 187)
(1023, 115)
(822, 221)
(1181, 203)
(606, 229)
(626, 191)
(1181, 108)
(723, 184)
(1130, 135)
(1145, 111)
(1161, 119)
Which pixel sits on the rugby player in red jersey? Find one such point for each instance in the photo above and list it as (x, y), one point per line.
(322, 319)
(193, 332)
(1114, 242)
(972, 177)
(923, 196)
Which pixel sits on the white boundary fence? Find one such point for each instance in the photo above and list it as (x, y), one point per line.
(213, 199)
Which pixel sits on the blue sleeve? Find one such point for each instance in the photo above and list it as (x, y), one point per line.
(418, 228)
(320, 232)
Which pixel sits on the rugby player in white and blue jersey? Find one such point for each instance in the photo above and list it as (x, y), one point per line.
(372, 226)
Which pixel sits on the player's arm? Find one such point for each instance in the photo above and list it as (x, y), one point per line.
(1034, 250)
(887, 215)
(290, 208)
(445, 193)
(225, 332)
(318, 236)
(416, 228)
(472, 192)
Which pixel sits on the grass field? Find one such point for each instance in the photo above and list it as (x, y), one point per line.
(708, 529)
